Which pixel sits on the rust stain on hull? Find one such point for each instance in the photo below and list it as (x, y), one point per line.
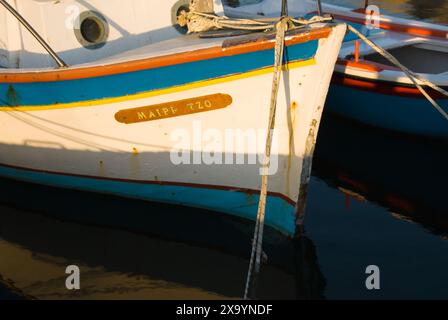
(12, 97)
(292, 125)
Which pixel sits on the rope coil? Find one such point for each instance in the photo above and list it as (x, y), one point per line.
(202, 22)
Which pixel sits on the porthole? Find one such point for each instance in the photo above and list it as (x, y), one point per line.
(179, 6)
(92, 31)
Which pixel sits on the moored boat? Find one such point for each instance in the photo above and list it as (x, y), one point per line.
(140, 109)
(369, 89)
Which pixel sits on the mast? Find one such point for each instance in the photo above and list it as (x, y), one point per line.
(284, 8)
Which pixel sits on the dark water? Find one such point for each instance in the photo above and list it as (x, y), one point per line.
(8, 293)
(375, 199)
(390, 211)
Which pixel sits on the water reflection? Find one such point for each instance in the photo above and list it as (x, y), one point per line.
(405, 175)
(435, 10)
(177, 254)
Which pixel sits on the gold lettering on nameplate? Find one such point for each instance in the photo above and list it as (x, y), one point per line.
(174, 108)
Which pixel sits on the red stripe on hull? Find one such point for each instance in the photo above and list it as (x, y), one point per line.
(163, 183)
(383, 87)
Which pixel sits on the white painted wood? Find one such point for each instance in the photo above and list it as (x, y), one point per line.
(89, 141)
(132, 24)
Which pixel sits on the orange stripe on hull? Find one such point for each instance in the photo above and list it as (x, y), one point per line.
(366, 65)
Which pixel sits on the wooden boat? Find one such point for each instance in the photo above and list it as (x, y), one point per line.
(380, 94)
(369, 89)
(142, 110)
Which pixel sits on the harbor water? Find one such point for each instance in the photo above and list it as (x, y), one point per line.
(376, 199)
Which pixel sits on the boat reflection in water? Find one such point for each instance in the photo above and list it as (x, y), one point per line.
(405, 175)
(206, 260)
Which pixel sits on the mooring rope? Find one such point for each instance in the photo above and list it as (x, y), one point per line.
(257, 242)
(202, 22)
(415, 78)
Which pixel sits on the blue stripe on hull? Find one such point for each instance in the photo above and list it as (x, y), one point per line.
(279, 213)
(47, 93)
(408, 115)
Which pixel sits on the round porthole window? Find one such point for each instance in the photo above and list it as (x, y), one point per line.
(92, 31)
(179, 6)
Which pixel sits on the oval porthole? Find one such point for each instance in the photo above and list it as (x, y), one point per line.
(93, 30)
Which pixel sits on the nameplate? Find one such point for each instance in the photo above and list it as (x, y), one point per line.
(174, 108)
